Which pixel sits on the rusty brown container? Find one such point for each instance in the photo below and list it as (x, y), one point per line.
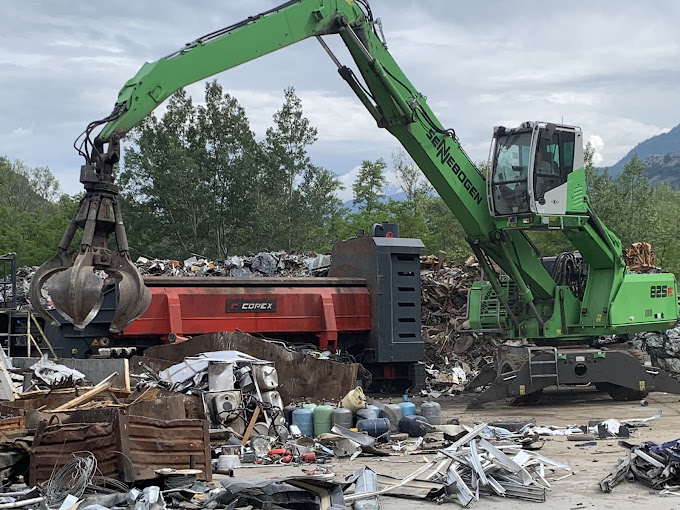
(131, 448)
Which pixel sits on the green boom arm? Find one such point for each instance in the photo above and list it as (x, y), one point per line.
(395, 104)
(391, 99)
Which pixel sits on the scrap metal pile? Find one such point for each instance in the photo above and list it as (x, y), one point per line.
(655, 465)
(662, 346)
(280, 264)
(159, 444)
(453, 354)
(238, 391)
(472, 467)
(263, 264)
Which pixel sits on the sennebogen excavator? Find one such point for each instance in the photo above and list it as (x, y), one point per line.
(536, 182)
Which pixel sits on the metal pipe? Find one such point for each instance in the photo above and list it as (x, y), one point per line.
(25, 502)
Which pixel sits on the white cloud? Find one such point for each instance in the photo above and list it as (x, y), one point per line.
(574, 98)
(21, 131)
(598, 144)
(492, 63)
(347, 180)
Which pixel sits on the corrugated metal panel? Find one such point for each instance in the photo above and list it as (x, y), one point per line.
(54, 445)
(131, 448)
(154, 444)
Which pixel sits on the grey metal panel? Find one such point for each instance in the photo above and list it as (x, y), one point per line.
(401, 244)
(391, 268)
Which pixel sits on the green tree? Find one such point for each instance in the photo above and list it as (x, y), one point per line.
(286, 164)
(189, 179)
(26, 188)
(33, 215)
(195, 181)
(233, 155)
(368, 187)
(411, 180)
(664, 233)
(447, 232)
(323, 210)
(634, 209)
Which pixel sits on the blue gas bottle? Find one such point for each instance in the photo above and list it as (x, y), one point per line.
(377, 410)
(304, 420)
(407, 408)
(374, 428)
(414, 425)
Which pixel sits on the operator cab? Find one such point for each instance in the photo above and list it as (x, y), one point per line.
(530, 169)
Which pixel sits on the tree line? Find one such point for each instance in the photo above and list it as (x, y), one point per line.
(196, 180)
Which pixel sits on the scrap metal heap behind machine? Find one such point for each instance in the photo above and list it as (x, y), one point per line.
(536, 182)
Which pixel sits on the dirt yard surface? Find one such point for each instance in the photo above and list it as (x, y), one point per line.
(558, 408)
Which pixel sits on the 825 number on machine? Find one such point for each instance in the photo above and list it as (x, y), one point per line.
(660, 291)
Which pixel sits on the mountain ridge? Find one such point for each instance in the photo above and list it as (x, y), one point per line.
(664, 143)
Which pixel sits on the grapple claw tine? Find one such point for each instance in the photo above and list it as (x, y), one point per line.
(133, 296)
(77, 291)
(60, 262)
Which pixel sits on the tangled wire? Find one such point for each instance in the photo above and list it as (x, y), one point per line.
(72, 479)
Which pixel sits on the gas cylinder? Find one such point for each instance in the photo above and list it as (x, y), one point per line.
(432, 412)
(414, 425)
(366, 414)
(308, 404)
(304, 420)
(342, 417)
(288, 413)
(397, 413)
(322, 419)
(407, 408)
(377, 410)
(374, 428)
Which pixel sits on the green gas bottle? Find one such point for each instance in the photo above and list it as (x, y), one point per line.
(323, 419)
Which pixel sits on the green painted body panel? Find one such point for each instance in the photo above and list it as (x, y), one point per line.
(576, 192)
(645, 299)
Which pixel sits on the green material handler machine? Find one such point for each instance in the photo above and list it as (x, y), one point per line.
(555, 310)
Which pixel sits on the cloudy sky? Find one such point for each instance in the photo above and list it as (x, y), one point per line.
(611, 67)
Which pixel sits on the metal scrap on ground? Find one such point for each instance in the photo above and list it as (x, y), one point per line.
(654, 465)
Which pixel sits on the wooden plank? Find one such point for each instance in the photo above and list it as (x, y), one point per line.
(251, 426)
(88, 395)
(207, 451)
(42, 333)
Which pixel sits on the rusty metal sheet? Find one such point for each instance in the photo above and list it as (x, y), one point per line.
(130, 448)
(300, 375)
(53, 446)
(153, 444)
